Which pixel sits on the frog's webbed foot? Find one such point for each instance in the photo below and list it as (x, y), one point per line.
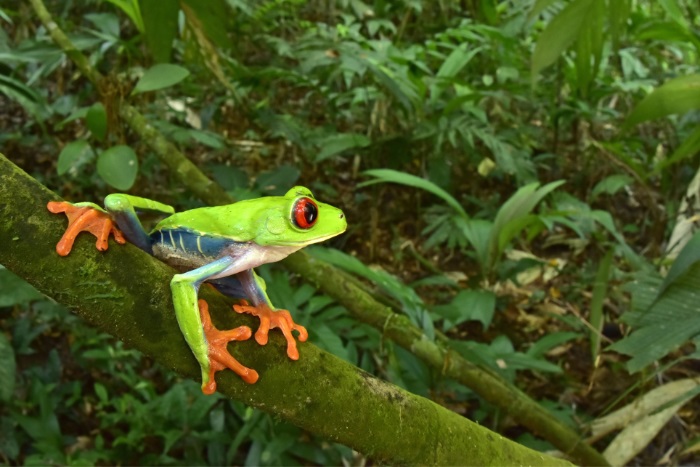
(219, 358)
(85, 218)
(270, 319)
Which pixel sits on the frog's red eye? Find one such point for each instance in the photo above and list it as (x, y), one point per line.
(305, 213)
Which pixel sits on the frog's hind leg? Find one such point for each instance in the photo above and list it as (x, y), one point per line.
(229, 286)
(123, 210)
(207, 343)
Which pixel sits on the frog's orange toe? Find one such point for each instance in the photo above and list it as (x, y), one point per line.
(84, 219)
(270, 319)
(219, 357)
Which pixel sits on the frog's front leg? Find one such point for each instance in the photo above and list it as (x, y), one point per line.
(89, 217)
(123, 210)
(207, 343)
(270, 318)
(84, 217)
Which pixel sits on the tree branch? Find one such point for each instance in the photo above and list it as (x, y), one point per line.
(125, 292)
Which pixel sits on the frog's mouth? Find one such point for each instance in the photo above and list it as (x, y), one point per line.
(312, 241)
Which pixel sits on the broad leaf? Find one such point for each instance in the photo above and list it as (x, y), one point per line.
(689, 256)
(160, 22)
(611, 185)
(118, 167)
(468, 305)
(559, 34)
(676, 96)
(160, 76)
(339, 143)
(208, 17)
(73, 155)
(478, 232)
(661, 324)
(96, 121)
(132, 10)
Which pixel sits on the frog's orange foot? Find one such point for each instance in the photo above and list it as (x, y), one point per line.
(270, 319)
(219, 358)
(84, 219)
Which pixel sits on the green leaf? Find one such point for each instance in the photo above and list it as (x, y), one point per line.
(101, 392)
(207, 138)
(160, 22)
(672, 319)
(209, 17)
(32, 101)
(674, 11)
(559, 34)
(676, 96)
(468, 305)
(386, 78)
(132, 10)
(118, 167)
(548, 342)
(611, 185)
(15, 291)
(458, 59)
(96, 121)
(689, 256)
(539, 7)
(513, 216)
(73, 155)
(478, 232)
(8, 368)
(160, 76)
(330, 341)
(688, 148)
(394, 176)
(339, 143)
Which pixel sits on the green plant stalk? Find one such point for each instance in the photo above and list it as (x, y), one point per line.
(525, 411)
(60, 38)
(320, 393)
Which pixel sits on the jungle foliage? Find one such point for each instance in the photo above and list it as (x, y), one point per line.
(520, 180)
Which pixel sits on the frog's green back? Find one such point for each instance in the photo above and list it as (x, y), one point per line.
(265, 221)
(235, 221)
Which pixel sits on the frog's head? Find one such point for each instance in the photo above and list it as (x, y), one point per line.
(297, 219)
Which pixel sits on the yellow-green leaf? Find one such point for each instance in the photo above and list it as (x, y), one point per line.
(676, 96)
(559, 34)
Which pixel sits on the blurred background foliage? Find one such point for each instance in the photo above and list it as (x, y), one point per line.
(519, 176)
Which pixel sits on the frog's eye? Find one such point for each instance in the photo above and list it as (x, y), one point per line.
(305, 213)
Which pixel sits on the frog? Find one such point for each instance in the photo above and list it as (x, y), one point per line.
(221, 246)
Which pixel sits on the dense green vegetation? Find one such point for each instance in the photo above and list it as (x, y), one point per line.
(519, 179)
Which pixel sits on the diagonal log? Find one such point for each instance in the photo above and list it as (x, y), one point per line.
(125, 292)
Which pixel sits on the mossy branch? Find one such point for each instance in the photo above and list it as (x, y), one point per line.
(125, 292)
(360, 304)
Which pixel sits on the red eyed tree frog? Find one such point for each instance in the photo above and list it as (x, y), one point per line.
(220, 245)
